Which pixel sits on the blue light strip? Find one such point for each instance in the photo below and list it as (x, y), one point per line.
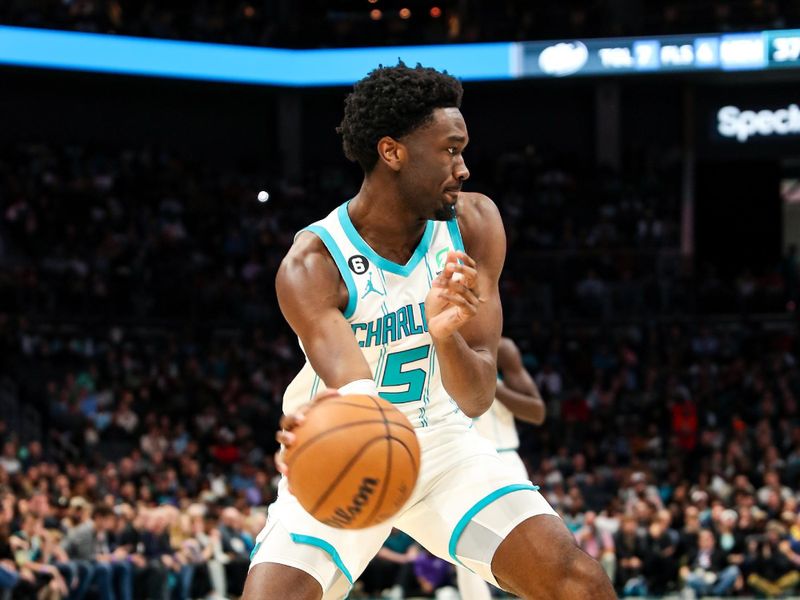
(49, 49)
(41, 48)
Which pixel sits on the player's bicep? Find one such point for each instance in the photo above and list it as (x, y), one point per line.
(308, 289)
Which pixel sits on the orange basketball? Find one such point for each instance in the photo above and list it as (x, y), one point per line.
(355, 461)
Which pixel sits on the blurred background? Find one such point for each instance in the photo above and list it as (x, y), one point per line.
(650, 189)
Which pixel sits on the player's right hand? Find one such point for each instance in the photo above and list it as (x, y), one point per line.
(289, 422)
(454, 297)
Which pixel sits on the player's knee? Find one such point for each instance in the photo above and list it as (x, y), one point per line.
(587, 579)
(272, 581)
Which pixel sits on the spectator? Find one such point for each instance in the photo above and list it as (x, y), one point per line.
(662, 559)
(773, 572)
(707, 570)
(597, 543)
(435, 576)
(631, 556)
(237, 546)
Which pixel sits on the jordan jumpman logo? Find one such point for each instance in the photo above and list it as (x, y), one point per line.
(371, 288)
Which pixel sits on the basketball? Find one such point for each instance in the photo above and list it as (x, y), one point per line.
(355, 461)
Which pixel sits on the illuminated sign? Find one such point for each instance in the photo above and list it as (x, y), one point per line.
(742, 51)
(647, 54)
(706, 52)
(783, 48)
(733, 122)
(616, 58)
(47, 49)
(677, 55)
(562, 59)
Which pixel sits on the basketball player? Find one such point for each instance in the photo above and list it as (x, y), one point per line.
(423, 335)
(517, 396)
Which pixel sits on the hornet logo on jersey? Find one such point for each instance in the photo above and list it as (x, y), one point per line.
(441, 257)
(371, 288)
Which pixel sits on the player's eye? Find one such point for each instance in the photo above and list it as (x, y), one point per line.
(452, 150)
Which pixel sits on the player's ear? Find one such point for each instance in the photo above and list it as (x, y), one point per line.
(391, 152)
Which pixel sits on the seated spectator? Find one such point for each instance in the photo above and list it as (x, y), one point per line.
(773, 572)
(661, 565)
(435, 576)
(205, 529)
(237, 545)
(32, 546)
(631, 551)
(90, 543)
(597, 543)
(157, 554)
(707, 571)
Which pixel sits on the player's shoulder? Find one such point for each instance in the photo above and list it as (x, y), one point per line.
(477, 209)
(307, 259)
(508, 354)
(481, 227)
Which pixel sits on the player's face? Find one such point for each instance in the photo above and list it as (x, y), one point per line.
(432, 177)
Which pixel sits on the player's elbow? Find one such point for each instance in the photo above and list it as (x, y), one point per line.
(539, 414)
(535, 413)
(476, 406)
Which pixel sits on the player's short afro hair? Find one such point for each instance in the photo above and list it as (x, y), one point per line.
(393, 101)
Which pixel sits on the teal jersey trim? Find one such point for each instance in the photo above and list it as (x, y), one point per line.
(383, 263)
(341, 264)
(455, 234)
(508, 449)
(478, 507)
(255, 550)
(323, 545)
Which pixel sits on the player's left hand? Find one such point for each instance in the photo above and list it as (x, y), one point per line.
(453, 298)
(285, 437)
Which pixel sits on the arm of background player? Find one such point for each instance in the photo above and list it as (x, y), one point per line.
(517, 391)
(468, 357)
(310, 293)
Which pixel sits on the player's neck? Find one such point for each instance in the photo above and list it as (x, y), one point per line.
(383, 220)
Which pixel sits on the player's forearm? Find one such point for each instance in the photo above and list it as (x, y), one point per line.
(525, 407)
(469, 376)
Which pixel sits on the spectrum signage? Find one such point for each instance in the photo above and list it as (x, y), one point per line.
(745, 124)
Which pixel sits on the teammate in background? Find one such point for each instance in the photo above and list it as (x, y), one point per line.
(516, 397)
(395, 293)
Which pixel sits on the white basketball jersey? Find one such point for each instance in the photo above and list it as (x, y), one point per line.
(386, 311)
(497, 424)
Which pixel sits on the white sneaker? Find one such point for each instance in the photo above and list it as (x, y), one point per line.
(447, 593)
(687, 593)
(394, 593)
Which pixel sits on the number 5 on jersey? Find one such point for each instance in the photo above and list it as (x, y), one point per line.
(413, 379)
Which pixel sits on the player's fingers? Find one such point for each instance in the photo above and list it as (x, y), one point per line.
(458, 288)
(442, 279)
(292, 420)
(461, 302)
(282, 468)
(287, 438)
(463, 273)
(280, 464)
(463, 257)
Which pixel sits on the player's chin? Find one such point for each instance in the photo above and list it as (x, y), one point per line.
(446, 212)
